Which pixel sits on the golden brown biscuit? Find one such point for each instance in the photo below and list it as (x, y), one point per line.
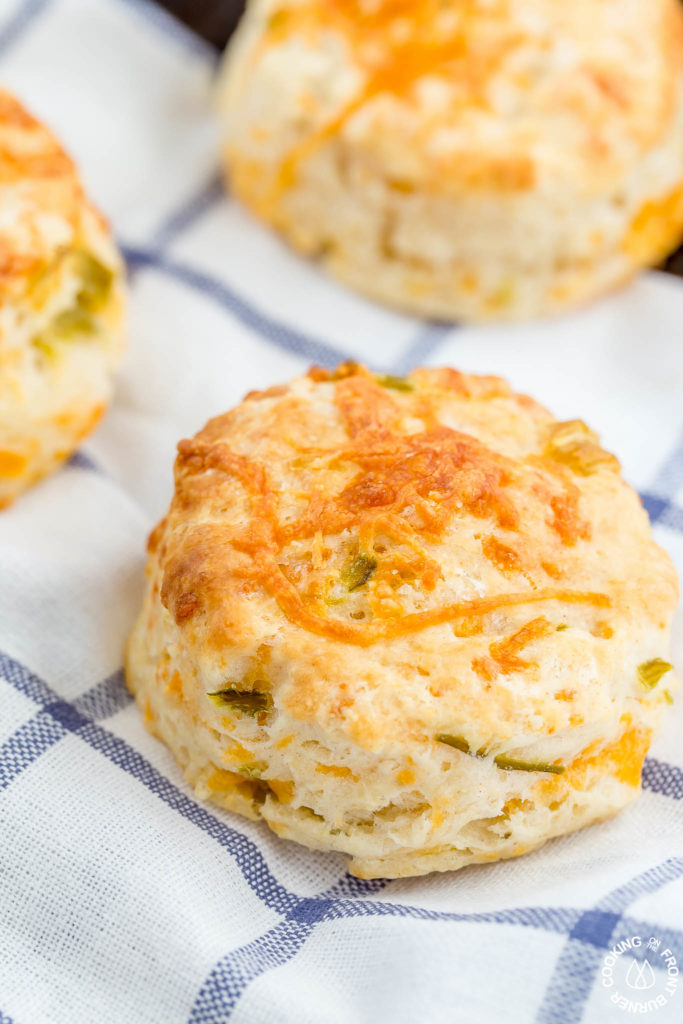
(462, 159)
(61, 304)
(415, 620)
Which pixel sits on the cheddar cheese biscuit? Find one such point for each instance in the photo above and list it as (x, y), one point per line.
(415, 620)
(462, 159)
(61, 304)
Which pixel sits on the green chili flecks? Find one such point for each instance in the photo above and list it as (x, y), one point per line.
(395, 383)
(253, 770)
(453, 741)
(512, 764)
(245, 702)
(358, 572)
(650, 672)
(96, 282)
(72, 322)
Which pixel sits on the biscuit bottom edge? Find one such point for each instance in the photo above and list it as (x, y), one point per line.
(598, 784)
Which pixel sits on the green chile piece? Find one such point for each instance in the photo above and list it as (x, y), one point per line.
(453, 741)
(501, 760)
(650, 672)
(253, 770)
(72, 322)
(96, 282)
(357, 573)
(512, 764)
(244, 702)
(388, 380)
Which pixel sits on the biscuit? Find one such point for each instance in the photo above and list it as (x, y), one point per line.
(61, 304)
(415, 620)
(462, 160)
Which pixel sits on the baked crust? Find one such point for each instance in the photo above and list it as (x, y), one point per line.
(363, 566)
(61, 304)
(467, 160)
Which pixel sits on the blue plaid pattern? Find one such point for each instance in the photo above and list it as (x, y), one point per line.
(17, 25)
(587, 934)
(278, 334)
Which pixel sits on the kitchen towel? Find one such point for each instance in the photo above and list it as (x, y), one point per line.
(123, 899)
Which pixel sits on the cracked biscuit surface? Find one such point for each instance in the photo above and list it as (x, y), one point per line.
(61, 304)
(462, 159)
(415, 620)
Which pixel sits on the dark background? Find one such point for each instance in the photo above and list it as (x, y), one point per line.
(215, 21)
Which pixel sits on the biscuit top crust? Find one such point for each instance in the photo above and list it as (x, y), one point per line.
(403, 485)
(341, 533)
(471, 94)
(41, 199)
